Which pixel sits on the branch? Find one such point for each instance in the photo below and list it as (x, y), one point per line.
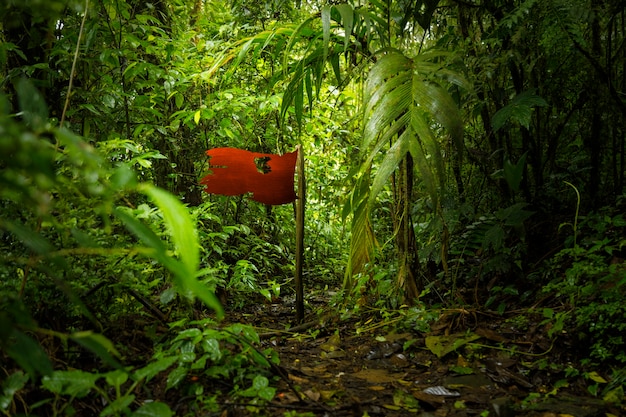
(73, 71)
(602, 72)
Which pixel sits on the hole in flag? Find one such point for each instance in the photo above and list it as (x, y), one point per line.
(262, 164)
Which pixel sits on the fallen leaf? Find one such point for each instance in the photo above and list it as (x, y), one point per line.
(377, 376)
(442, 345)
(460, 361)
(490, 335)
(287, 398)
(331, 344)
(328, 394)
(399, 360)
(594, 376)
(312, 395)
(298, 380)
(333, 354)
(432, 400)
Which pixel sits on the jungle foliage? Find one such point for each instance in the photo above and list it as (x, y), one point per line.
(464, 154)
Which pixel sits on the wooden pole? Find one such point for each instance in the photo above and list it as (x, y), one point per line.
(300, 204)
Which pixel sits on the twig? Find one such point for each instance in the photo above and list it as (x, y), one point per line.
(73, 71)
(295, 329)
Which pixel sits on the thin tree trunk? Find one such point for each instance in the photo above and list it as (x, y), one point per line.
(406, 244)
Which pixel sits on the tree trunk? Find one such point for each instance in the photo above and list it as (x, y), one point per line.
(406, 244)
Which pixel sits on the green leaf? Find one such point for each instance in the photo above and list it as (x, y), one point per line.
(28, 354)
(212, 347)
(153, 409)
(514, 215)
(267, 393)
(74, 383)
(179, 100)
(519, 110)
(116, 378)
(596, 377)
(99, 345)
(260, 382)
(118, 406)
(176, 377)
(325, 15)
(192, 333)
(10, 386)
(32, 104)
(514, 173)
(184, 276)
(33, 240)
(180, 225)
(143, 232)
(152, 369)
(347, 17)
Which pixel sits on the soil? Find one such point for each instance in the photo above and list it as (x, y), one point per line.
(469, 363)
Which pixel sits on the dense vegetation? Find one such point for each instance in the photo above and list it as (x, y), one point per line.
(463, 158)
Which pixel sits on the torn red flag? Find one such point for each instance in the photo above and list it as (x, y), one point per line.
(268, 177)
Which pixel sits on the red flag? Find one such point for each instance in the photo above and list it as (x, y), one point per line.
(268, 177)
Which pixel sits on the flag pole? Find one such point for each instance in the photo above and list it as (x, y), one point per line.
(300, 204)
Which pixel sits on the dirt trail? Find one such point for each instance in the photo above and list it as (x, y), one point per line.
(362, 367)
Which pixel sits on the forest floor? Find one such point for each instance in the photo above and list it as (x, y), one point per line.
(469, 363)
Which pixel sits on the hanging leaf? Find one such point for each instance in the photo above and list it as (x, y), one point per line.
(518, 110)
(514, 173)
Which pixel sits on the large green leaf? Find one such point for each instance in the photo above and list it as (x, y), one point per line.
(183, 232)
(74, 383)
(399, 97)
(180, 225)
(402, 105)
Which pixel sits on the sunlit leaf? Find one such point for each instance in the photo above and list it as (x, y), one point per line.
(595, 377)
(347, 17)
(180, 225)
(74, 383)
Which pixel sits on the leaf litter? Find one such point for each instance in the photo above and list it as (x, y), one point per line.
(457, 369)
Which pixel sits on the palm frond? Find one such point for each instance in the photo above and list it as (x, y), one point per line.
(403, 103)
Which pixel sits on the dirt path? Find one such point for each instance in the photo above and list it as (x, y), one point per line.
(364, 367)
